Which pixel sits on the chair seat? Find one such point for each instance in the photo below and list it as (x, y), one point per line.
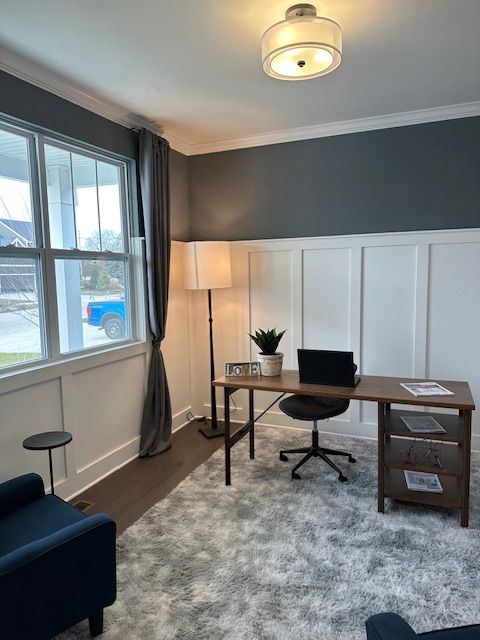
(35, 520)
(312, 407)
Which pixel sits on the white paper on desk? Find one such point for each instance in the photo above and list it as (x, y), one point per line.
(426, 389)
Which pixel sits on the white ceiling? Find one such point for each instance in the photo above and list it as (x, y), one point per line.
(193, 66)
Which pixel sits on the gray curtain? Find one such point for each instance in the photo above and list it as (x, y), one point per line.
(156, 431)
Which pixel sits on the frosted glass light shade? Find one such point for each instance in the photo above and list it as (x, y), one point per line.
(206, 265)
(302, 46)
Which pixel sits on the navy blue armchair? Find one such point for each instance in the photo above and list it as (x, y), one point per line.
(57, 566)
(390, 626)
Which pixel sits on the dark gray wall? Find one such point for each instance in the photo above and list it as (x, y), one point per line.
(179, 204)
(30, 104)
(404, 179)
(33, 105)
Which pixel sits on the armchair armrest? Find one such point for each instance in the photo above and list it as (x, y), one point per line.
(19, 491)
(389, 626)
(74, 568)
(30, 552)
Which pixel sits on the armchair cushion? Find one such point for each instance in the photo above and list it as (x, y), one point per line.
(35, 520)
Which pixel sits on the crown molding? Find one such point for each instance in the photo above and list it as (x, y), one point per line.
(49, 81)
(435, 114)
(40, 77)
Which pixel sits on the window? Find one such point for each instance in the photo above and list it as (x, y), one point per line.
(65, 263)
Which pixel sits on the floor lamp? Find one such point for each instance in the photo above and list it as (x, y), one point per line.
(206, 265)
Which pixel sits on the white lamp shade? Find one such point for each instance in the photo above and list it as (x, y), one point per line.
(207, 265)
(303, 47)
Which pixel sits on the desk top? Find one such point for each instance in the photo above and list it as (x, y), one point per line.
(372, 388)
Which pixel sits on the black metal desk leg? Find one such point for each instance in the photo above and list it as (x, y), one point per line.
(381, 457)
(226, 404)
(467, 439)
(251, 418)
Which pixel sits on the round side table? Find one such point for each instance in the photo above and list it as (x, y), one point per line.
(48, 440)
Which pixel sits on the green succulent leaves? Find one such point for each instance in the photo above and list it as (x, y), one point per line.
(267, 341)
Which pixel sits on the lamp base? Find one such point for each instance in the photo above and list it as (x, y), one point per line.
(208, 432)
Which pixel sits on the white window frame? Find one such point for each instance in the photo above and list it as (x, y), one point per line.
(45, 255)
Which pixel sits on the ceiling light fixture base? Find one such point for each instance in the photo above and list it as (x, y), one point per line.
(298, 10)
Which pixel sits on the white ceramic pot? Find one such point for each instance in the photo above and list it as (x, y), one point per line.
(270, 365)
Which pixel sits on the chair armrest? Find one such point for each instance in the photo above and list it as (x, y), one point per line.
(30, 552)
(19, 491)
(389, 626)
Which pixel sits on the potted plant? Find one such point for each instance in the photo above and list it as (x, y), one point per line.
(267, 341)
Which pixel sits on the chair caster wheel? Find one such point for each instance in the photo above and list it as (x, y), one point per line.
(283, 457)
(295, 476)
(342, 478)
(351, 459)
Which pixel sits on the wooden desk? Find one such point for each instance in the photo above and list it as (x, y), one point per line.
(384, 391)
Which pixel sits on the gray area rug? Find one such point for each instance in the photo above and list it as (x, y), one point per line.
(270, 558)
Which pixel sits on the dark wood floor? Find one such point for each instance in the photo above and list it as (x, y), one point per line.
(129, 492)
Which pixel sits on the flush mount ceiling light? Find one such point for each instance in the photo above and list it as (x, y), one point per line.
(302, 46)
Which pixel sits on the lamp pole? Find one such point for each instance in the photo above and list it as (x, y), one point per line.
(214, 431)
(207, 266)
(213, 398)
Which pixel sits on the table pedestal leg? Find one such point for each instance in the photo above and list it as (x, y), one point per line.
(51, 471)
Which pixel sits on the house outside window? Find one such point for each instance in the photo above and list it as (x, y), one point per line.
(66, 264)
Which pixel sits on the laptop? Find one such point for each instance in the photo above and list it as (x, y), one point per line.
(334, 368)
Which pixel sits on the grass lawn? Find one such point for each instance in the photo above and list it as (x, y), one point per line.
(7, 359)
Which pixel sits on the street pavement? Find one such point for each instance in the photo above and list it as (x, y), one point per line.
(20, 333)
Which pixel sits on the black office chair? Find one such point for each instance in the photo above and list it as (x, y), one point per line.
(314, 408)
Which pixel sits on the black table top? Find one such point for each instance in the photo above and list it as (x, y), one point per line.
(47, 440)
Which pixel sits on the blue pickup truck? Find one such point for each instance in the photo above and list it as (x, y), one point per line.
(108, 315)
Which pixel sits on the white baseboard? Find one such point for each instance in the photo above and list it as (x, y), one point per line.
(101, 468)
(179, 420)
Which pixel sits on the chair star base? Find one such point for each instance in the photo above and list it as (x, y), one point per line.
(315, 451)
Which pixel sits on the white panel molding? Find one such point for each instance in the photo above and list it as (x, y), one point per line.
(356, 278)
(68, 423)
(356, 423)
(428, 236)
(421, 310)
(297, 302)
(88, 99)
(52, 370)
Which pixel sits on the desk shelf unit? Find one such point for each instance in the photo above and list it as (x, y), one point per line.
(392, 433)
(454, 449)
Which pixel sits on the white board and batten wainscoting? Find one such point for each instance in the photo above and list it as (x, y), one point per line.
(98, 398)
(407, 304)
